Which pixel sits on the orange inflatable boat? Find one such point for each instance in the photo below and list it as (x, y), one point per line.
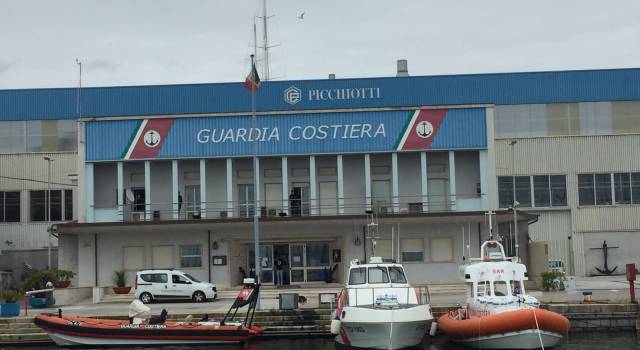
(517, 329)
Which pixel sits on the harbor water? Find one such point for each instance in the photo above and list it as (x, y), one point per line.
(575, 341)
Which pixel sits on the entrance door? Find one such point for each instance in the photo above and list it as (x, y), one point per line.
(273, 198)
(438, 194)
(245, 201)
(266, 263)
(328, 198)
(300, 201)
(297, 263)
(381, 193)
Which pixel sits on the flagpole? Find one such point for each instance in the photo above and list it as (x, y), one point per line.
(256, 187)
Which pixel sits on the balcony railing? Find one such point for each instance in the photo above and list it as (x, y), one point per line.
(293, 208)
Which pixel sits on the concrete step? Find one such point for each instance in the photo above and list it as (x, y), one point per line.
(10, 326)
(23, 338)
(24, 330)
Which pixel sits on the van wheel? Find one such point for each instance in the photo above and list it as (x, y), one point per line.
(199, 297)
(146, 298)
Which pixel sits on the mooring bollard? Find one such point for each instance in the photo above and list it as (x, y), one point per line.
(587, 296)
(631, 277)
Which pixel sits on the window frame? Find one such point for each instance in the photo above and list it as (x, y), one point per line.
(182, 256)
(507, 195)
(3, 207)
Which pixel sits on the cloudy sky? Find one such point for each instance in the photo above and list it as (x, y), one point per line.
(141, 42)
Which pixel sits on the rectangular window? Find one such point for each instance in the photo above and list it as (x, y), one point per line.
(523, 190)
(603, 189)
(635, 188)
(586, 190)
(317, 254)
(133, 258)
(9, 206)
(68, 205)
(412, 250)
(357, 275)
(505, 191)
(55, 200)
(558, 185)
(191, 255)
(38, 205)
(441, 249)
(622, 185)
(541, 192)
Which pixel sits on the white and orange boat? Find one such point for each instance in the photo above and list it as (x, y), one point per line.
(138, 330)
(499, 314)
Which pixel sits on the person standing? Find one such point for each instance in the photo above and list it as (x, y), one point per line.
(279, 271)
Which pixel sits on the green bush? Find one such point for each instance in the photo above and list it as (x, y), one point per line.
(63, 275)
(37, 279)
(120, 278)
(10, 296)
(553, 281)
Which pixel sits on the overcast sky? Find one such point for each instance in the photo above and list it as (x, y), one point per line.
(141, 42)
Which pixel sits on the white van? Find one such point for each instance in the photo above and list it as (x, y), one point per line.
(158, 284)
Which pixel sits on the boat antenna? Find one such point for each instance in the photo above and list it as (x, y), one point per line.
(490, 214)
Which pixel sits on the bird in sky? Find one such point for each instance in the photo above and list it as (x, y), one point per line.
(301, 16)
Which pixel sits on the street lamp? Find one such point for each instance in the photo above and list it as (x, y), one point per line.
(515, 203)
(48, 208)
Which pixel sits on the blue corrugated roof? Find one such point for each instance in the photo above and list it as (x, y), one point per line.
(499, 88)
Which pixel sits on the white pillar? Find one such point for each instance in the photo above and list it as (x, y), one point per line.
(313, 185)
(452, 179)
(88, 191)
(340, 171)
(203, 188)
(395, 196)
(424, 180)
(174, 190)
(367, 181)
(285, 185)
(230, 187)
(147, 190)
(120, 194)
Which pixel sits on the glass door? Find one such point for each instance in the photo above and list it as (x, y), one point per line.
(297, 263)
(266, 263)
(245, 201)
(300, 203)
(193, 201)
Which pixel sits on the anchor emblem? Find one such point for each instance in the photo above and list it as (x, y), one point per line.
(424, 129)
(151, 138)
(605, 252)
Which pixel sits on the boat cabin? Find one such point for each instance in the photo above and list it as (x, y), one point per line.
(494, 275)
(379, 283)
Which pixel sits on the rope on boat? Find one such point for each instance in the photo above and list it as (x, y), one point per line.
(538, 327)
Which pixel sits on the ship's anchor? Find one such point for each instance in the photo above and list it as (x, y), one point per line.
(605, 252)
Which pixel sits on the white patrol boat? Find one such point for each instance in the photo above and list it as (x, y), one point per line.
(378, 309)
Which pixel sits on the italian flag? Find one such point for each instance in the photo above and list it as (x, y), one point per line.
(252, 82)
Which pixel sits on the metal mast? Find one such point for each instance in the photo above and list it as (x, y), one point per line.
(265, 40)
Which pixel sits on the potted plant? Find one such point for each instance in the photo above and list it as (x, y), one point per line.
(120, 280)
(11, 305)
(63, 278)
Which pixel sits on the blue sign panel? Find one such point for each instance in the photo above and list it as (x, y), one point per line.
(312, 133)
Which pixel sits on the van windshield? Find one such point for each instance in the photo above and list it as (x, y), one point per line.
(193, 279)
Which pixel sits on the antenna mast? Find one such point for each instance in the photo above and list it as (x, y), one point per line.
(265, 40)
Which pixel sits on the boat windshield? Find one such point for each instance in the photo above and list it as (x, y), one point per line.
(397, 275)
(378, 275)
(193, 279)
(500, 288)
(357, 275)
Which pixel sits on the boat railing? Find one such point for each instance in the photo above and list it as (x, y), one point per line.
(386, 297)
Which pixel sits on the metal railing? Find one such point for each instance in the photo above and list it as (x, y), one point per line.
(276, 208)
(384, 297)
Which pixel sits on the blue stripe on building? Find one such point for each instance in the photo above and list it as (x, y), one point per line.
(502, 88)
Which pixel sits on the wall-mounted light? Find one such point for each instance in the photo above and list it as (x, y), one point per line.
(214, 246)
(357, 241)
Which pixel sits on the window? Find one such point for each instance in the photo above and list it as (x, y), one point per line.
(500, 289)
(378, 275)
(317, 254)
(412, 250)
(396, 275)
(190, 256)
(549, 190)
(179, 279)
(505, 191)
(133, 258)
(586, 190)
(541, 192)
(635, 188)
(154, 277)
(558, 184)
(441, 249)
(603, 189)
(9, 207)
(523, 190)
(139, 196)
(357, 276)
(622, 185)
(61, 205)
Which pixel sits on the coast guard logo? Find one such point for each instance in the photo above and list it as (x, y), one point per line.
(151, 138)
(292, 95)
(424, 129)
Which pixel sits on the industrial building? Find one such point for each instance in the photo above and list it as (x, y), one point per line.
(165, 176)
